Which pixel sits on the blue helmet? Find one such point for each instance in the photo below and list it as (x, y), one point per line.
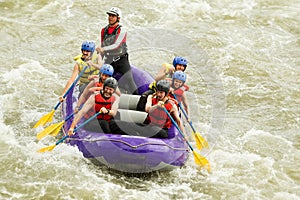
(180, 61)
(180, 76)
(88, 46)
(107, 69)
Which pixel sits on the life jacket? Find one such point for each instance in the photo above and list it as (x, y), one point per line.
(109, 39)
(178, 93)
(98, 84)
(91, 112)
(100, 102)
(159, 117)
(89, 71)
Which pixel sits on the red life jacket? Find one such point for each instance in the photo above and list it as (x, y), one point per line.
(178, 93)
(159, 117)
(102, 102)
(91, 112)
(98, 84)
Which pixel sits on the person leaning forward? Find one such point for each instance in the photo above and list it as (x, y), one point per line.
(106, 102)
(106, 71)
(114, 49)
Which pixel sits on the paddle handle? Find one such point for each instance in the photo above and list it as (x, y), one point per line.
(176, 125)
(71, 87)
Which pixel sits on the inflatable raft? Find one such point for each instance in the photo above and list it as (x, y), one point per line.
(127, 153)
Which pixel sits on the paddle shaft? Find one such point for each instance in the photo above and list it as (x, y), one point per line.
(178, 128)
(184, 113)
(69, 117)
(87, 121)
(76, 129)
(71, 87)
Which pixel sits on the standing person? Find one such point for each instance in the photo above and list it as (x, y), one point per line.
(165, 72)
(105, 102)
(114, 48)
(88, 57)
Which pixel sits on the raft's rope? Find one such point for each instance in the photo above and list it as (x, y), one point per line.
(132, 146)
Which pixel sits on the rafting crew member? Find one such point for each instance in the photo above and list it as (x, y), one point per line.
(165, 72)
(88, 57)
(96, 84)
(114, 48)
(178, 88)
(106, 102)
(157, 122)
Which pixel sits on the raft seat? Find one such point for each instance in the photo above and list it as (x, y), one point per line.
(132, 116)
(127, 109)
(128, 101)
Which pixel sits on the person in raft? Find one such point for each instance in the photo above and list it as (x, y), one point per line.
(88, 57)
(96, 84)
(166, 72)
(106, 102)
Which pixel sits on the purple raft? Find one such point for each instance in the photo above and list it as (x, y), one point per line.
(126, 153)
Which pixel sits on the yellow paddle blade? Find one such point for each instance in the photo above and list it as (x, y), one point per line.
(49, 130)
(201, 161)
(57, 129)
(45, 132)
(200, 141)
(49, 148)
(45, 119)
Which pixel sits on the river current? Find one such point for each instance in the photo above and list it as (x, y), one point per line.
(244, 69)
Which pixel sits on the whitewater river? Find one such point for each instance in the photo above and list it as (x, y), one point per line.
(244, 75)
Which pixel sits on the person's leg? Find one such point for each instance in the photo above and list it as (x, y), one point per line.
(114, 127)
(143, 100)
(160, 133)
(104, 126)
(81, 88)
(123, 66)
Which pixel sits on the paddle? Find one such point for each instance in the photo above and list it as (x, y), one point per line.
(54, 129)
(199, 160)
(200, 141)
(50, 148)
(48, 117)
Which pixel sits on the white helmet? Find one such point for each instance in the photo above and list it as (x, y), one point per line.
(115, 11)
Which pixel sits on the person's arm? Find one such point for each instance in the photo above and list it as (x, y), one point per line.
(115, 106)
(118, 91)
(93, 77)
(175, 115)
(164, 71)
(87, 106)
(94, 89)
(101, 36)
(70, 81)
(185, 104)
(95, 65)
(148, 103)
(85, 95)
